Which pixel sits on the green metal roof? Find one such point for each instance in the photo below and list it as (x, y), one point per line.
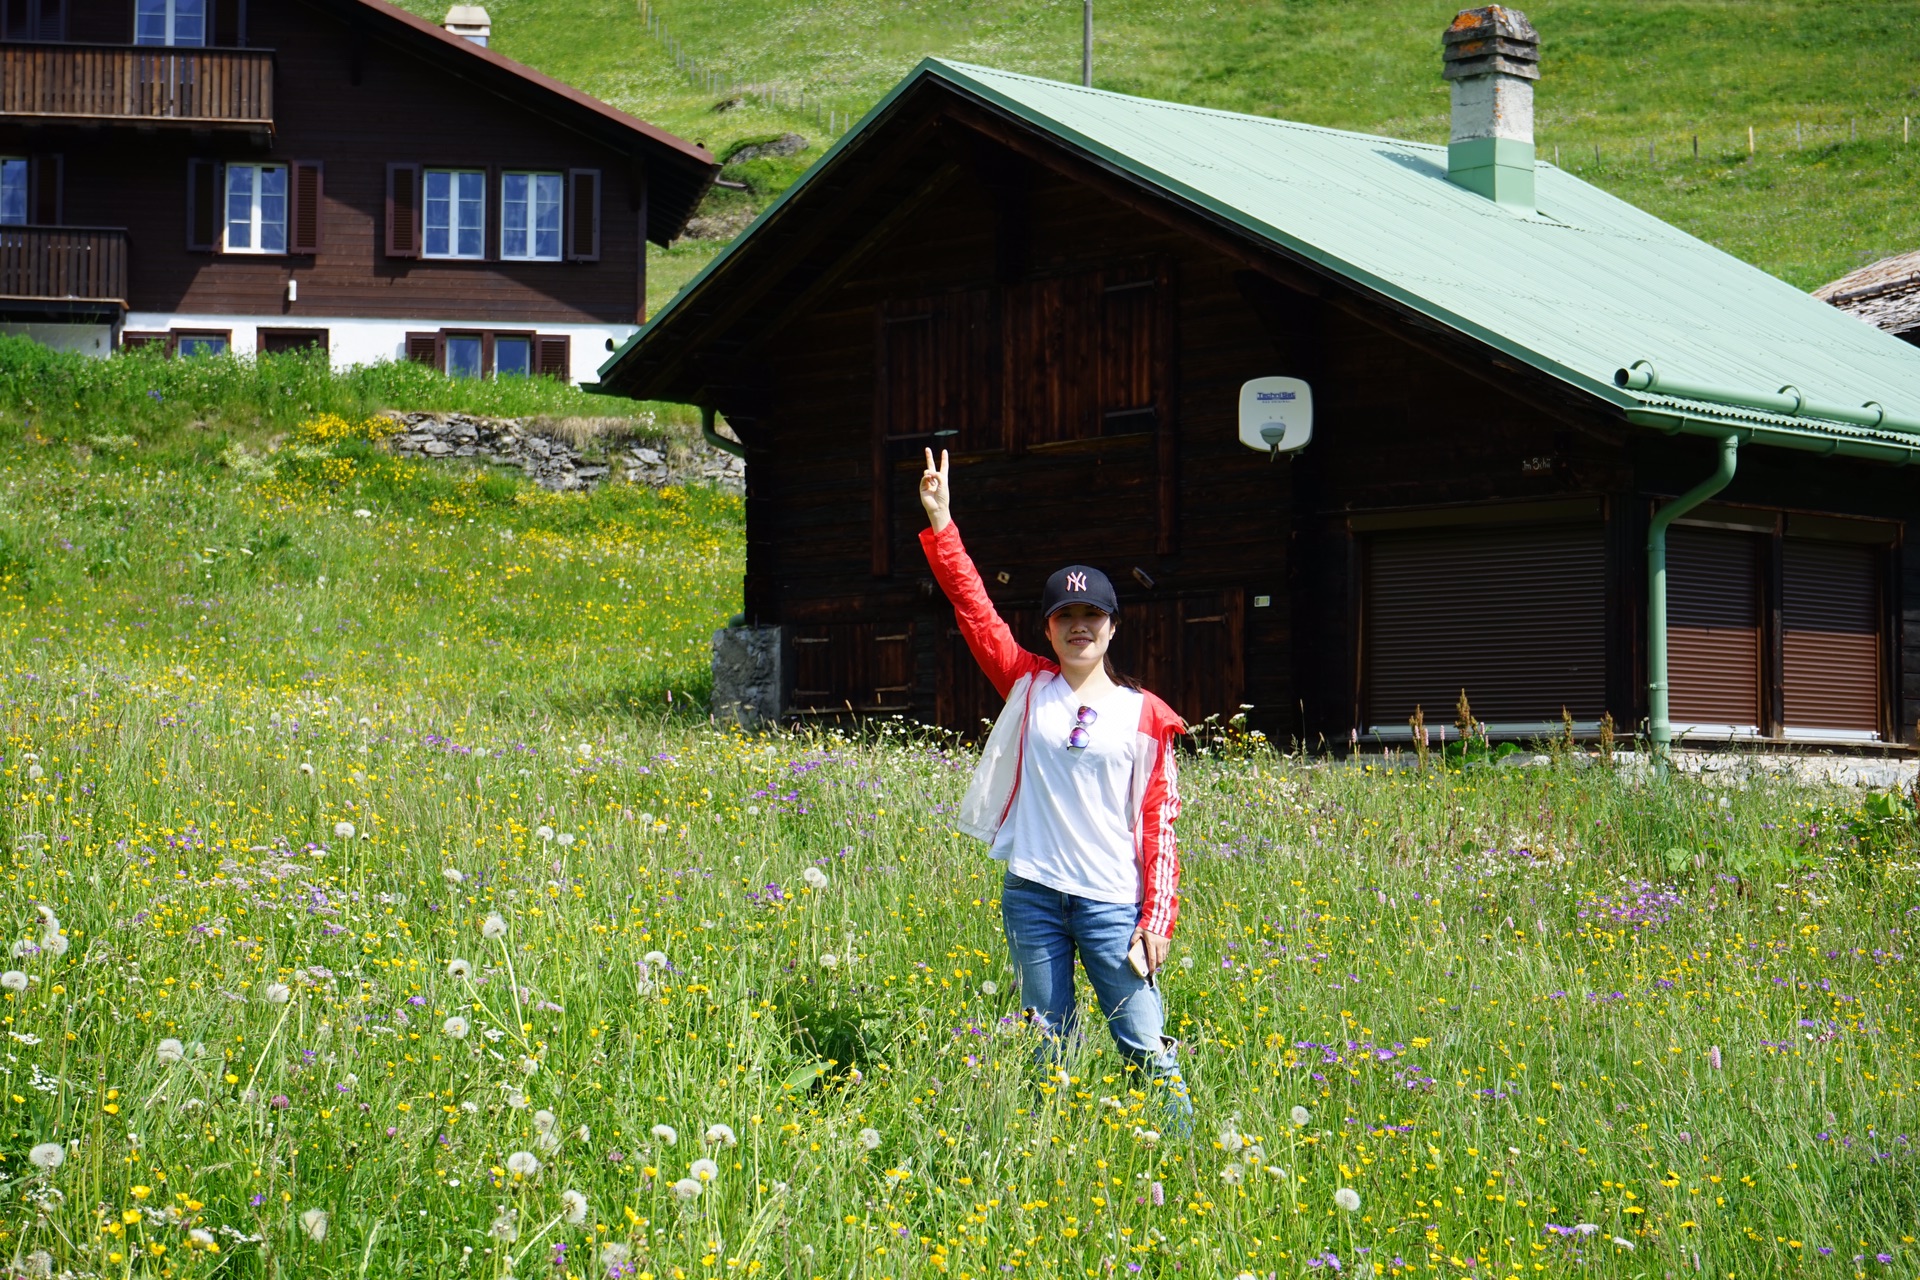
(1581, 288)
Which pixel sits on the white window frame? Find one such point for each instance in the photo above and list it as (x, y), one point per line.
(171, 16)
(10, 166)
(455, 226)
(256, 223)
(531, 206)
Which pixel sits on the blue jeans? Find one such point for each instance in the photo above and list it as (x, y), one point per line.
(1045, 927)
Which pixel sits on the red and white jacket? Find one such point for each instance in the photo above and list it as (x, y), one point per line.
(1015, 674)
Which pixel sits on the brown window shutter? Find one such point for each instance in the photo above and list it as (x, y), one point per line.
(19, 19)
(44, 186)
(227, 24)
(1713, 631)
(424, 348)
(1830, 619)
(583, 215)
(1515, 615)
(303, 230)
(403, 211)
(553, 357)
(203, 204)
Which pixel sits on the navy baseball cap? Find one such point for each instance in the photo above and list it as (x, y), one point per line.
(1079, 584)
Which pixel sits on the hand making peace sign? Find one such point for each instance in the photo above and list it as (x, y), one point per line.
(936, 493)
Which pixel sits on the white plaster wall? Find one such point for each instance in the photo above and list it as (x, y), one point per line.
(87, 339)
(359, 341)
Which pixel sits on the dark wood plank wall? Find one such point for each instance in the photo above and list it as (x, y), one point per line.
(1025, 515)
(400, 110)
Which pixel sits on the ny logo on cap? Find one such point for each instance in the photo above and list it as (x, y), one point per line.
(1076, 582)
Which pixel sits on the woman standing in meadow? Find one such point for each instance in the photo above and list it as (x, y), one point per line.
(1075, 792)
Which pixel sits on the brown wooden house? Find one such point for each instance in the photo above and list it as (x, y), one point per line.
(1513, 374)
(262, 175)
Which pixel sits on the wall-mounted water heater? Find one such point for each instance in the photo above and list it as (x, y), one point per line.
(1276, 415)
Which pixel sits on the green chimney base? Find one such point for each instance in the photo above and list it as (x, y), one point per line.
(1501, 169)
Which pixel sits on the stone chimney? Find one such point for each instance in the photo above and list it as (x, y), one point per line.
(1493, 57)
(470, 22)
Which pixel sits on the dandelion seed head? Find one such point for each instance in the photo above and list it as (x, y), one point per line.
(314, 1223)
(720, 1135)
(13, 980)
(665, 1133)
(457, 1027)
(523, 1164)
(1347, 1198)
(815, 878)
(48, 1156)
(573, 1206)
(869, 1138)
(459, 970)
(494, 926)
(343, 830)
(686, 1188)
(169, 1051)
(1300, 1117)
(276, 993)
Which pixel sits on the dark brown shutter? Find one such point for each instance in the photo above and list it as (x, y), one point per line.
(203, 204)
(20, 24)
(46, 181)
(227, 33)
(860, 666)
(553, 357)
(303, 229)
(424, 348)
(1830, 624)
(1051, 337)
(403, 211)
(813, 682)
(583, 215)
(1129, 352)
(1713, 630)
(1515, 615)
(131, 340)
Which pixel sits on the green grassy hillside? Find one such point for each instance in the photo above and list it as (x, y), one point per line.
(1811, 202)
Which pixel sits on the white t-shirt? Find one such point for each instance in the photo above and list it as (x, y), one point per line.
(1068, 829)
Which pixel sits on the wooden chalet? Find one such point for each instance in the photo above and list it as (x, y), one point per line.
(263, 175)
(1558, 447)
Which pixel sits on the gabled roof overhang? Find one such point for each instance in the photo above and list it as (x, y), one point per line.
(678, 173)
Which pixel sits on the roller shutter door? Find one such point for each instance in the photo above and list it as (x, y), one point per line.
(1515, 615)
(1830, 623)
(1713, 632)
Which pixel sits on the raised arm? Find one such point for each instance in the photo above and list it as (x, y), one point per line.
(988, 636)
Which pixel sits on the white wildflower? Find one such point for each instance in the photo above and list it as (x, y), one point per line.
(48, 1156)
(506, 1225)
(665, 1133)
(453, 875)
(544, 1120)
(516, 1099)
(38, 1263)
(828, 960)
(343, 830)
(614, 1256)
(276, 993)
(200, 1236)
(361, 513)
(815, 878)
(1300, 1116)
(1230, 1139)
(169, 1051)
(1231, 1175)
(494, 926)
(719, 1135)
(575, 1205)
(314, 1223)
(523, 1164)
(1147, 1137)
(459, 969)
(1624, 1244)
(686, 1188)
(704, 1169)
(306, 767)
(1347, 1198)
(457, 1027)
(869, 1138)
(655, 960)
(989, 988)
(543, 832)
(13, 980)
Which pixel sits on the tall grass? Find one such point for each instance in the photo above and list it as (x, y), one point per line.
(148, 396)
(276, 752)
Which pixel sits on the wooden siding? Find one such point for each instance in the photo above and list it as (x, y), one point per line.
(354, 105)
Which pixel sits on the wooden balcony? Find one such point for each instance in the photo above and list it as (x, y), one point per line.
(202, 88)
(63, 271)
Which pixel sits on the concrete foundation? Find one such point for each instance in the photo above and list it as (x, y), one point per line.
(750, 677)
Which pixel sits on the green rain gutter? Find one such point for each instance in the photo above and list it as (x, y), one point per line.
(717, 440)
(1657, 688)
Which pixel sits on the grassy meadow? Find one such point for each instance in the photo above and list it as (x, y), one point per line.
(381, 903)
(1830, 184)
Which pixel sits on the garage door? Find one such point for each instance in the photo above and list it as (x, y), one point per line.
(1830, 642)
(1514, 615)
(1713, 632)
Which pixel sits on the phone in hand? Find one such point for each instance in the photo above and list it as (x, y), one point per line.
(1137, 956)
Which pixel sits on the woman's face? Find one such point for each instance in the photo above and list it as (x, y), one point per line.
(1080, 634)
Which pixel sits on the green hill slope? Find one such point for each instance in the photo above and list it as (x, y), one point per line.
(1626, 89)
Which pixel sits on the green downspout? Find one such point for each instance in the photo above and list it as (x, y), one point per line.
(1657, 708)
(715, 439)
